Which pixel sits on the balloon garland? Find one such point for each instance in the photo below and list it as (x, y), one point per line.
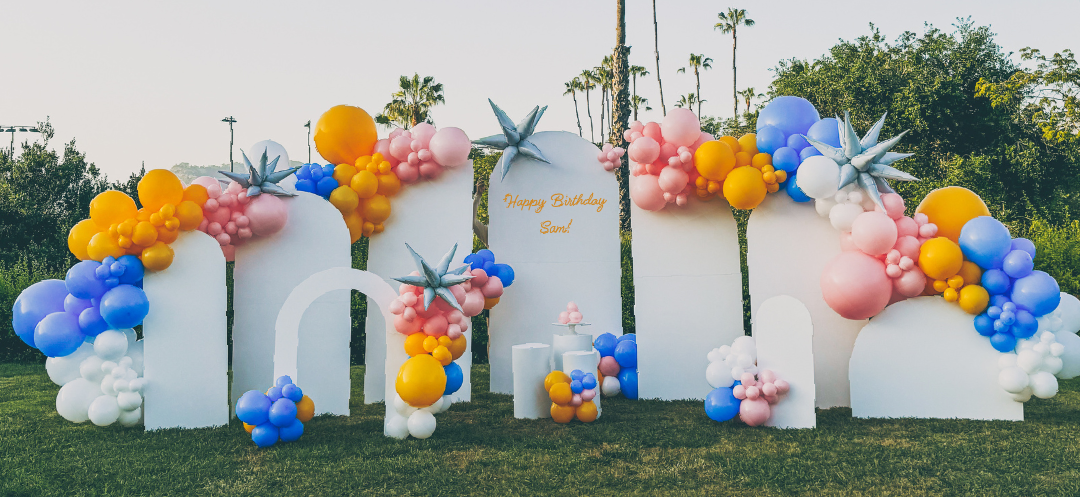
(572, 396)
(618, 364)
(739, 387)
(277, 414)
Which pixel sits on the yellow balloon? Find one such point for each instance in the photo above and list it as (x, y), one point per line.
(414, 344)
(950, 208)
(343, 173)
(561, 393)
(491, 302)
(430, 343)
(457, 347)
(344, 198)
(197, 194)
(145, 234)
(421, 381)
(761, 160)
(103, 245)
(562, 414)
(365, 184)
(940, 258)
(730, 141)
(305, 409)
(376, 209)
(80, 236)
(111, 207)
(389, 184)
(345, 133)
(157, 257)
(554, 378)
(714, 160)
(189, 213)
(248, 427)
(165, 235)
(748, 142)
(159, 187)
(974, 299)
(442, 354)
(355, 222)
(586, 412)
(744, 188)
(970, 272)
(743, 159)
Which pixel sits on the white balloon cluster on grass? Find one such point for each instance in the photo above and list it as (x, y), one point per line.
(1064, 322)
(408, 420)
(729, 362)
(101, 382)
(1030, 371)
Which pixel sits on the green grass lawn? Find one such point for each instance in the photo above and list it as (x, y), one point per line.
(637, 447)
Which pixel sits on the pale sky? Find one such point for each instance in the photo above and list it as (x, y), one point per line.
(145, 81)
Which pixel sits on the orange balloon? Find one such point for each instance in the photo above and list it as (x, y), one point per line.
(974, 299)
(248, 427)
(197, 194)
(442, 354)
(344, 198)
(748, 142)
(414, 344)
(343, 173)
(190, 214)
(421, 381)
(345, 133)
(730, 141)
(159, 187)
(365, 184)
(940, 258)
(761, 160)
(744, 188)
(430, 343)
(145, 234)
(555, 377)
(560, 393)
(102, 245)
(586, 412)
(157, 256)
(376, 209)
(742, 159)
(971, 273)
(457, 347)
(491, 302)
(305, 409)
(111, 207)
(80, 236)
(389, 184)
(562, 414)
(950, 208)
(714, 160)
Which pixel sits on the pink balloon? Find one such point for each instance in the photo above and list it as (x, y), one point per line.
(646, 192)
(576, 400)
(474, 302)
(894, 205)
(230, 252)
(874, 232)
(430, 170)
(908, 246)
(571, 306)
(397, 306)
(609, 366)
(479, 276)
(655, 167)
(702, 138)
(855, 285)
(399, 147)
(564, 317)
(767, 376)
(454, 331)
(652, 130)
(644, 150)
(450, 146)
(383, 147)
(667, 151)
(681, 127)
(911, 283)
(754, 412)
(575, 317)
(905, 226)
(424, 155)
(588, 395)
(214, 228)
(267, 214)
(423, 133)
(747, 380)
(739, 392)
(673, 179)
(782, 387)
(223, 239)
(409, 298)
(493, 288)
(768, 390)
(407, 173)
(436, 326)
(459, 294)
(406, 327)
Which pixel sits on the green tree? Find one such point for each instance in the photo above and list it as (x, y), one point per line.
(603, 78)
(412, 103)
(699, 62)
(636, 71)
(749, 95)
(620, 108)
(688, 101)
(572, 88)
(638, 101)
(588, 82)
(729, 23)
(1048, 96)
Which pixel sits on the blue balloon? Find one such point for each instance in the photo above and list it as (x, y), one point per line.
(769, 139)
(577, 374)
(292, 392)
(253, 407)
(58, 334)
(82, 281)
(265, 435)
(797, 142)
(629, 336)
(305, 185)
(985, 241)
(589, 381)
(806, 153)
(124, 307)
(91, 322)
(133, 270)
(984, 324)
(791, 115)
(328, 170)
(326, 186)
(283, 380)
(628, 383)
(626, 354)
(1025, 325)
(576, 386)
(1037, 292)
(794, 191)
(282, 412)
(721, 404)
(504, 272)
(826, 131)
(1025, 245)
(996, 282)
(454, 378)
(605, 344)
(1018, 264)
(1003, 342)
(487, 255)
(292, 432)
(316, 173)
(487, 267)
(274, 393)
(74, 305)
(304, 173)
(786, 158)
(474, 260)
(33, 304)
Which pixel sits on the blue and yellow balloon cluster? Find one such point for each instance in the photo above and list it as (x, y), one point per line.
(278, 414)
(618, 364)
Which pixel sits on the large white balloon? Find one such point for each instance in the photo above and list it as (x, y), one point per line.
(1013, 379)
(135, 352)
(421, 424)
(111, 345)
(1069, 312)
(128, 401)
(397, 427)
(104, 411)
(74, 399)
(818, 177)
(131, 418)
(1070, 359)
(611, 386)
(718, 375)
(1044, 385)
(64, 369)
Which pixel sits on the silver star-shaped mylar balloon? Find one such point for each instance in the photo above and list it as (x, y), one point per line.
(865, 161)
(263, 179)
(437, 281)
(514, 139)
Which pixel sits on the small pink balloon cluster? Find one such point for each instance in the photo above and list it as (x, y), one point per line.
(879, 262)
(440, 318)
(571, 315)
(231, 217)
(757, 395)
(610, 157)
(662, 159)
(423, 152)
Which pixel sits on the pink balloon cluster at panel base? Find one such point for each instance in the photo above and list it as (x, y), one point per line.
(231, 217)
(440, 318)
(423, 152)
(758, 395)
(662, 159)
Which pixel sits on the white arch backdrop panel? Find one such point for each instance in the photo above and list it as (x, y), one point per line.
(267, 269)
(431, 216)
(185, 346)
(687, 294)
(788, 246)
(580, 265)
(784, 335)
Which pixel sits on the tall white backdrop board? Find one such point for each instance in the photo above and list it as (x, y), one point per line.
(784, 336)
(788, 246)
(431, 216)
(557, 225)
(922, 358)
(185, 343)
(267, 269)
(687, 294)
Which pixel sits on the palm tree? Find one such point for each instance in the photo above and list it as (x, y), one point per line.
(750, 94)
(636, 71)
(700, 63)
(620, 109)
(412, 102)
(656, 43)
(588, 83)
(603, 80)
(639, 101)
(688, 101)
(572, 88)
(729, 23)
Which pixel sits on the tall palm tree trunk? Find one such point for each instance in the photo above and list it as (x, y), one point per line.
(588, 109)
(697, 77)
(656, 44)
(577, 115)
(603, 110)
(620, 112)
(734, 79)
(634, 99)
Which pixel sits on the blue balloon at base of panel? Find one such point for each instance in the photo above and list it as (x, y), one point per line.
(265, 435)
(721, 404)
(628, 383)
(605, 344)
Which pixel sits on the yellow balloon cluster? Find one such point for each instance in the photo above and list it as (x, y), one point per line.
(118, 227)
(737, 170)
(364, 195)
(557, 384)
(443, 349)
(949, 275)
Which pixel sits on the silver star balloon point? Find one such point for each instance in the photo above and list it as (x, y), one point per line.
(262, 179)
(514, 140)
(436, 281)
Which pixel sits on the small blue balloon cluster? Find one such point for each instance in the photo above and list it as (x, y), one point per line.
(317, 179)
(1018, 293)
(485, 259)
(581, 381)
(782, 128)
(57, 316)
(273, 414)
(622, 364)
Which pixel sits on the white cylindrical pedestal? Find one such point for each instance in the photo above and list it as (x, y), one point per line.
(531, 364)
(561, 344)
(587, 362)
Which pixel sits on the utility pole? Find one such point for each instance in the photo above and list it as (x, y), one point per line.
(230, 120)
(308, 126)
(12, 130)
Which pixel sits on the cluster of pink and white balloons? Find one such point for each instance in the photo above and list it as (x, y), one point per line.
(758, 394)
(423, 152)
(231, 217)
(662, 159)
(440, 318)
(878, 264)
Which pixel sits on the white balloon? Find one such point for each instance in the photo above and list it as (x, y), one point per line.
(715, 355)
(818, 177)
(434, 408)
(1023, 396)
(131, 418)
(91, 369)
(401, 407)
(397, 427)
(611, 386)
(1052, 364)
(120, 385)
(64, 369)
(823, 206)
(718, 375)
(137, 385)
(1013, 379)
(104, 411)
(74, 399)
(745, 345)
(841, 216)
(1069, 313)
(111, 345)
(1070, 358)
(1029, 360)
(128, 401)
(736, 373)
(447, 400)
(135, 352)
(1044, 385)
(107, 385)
(421, 424)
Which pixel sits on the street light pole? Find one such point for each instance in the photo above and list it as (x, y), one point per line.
(230, 120)
(12, 129)
(308, 126)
